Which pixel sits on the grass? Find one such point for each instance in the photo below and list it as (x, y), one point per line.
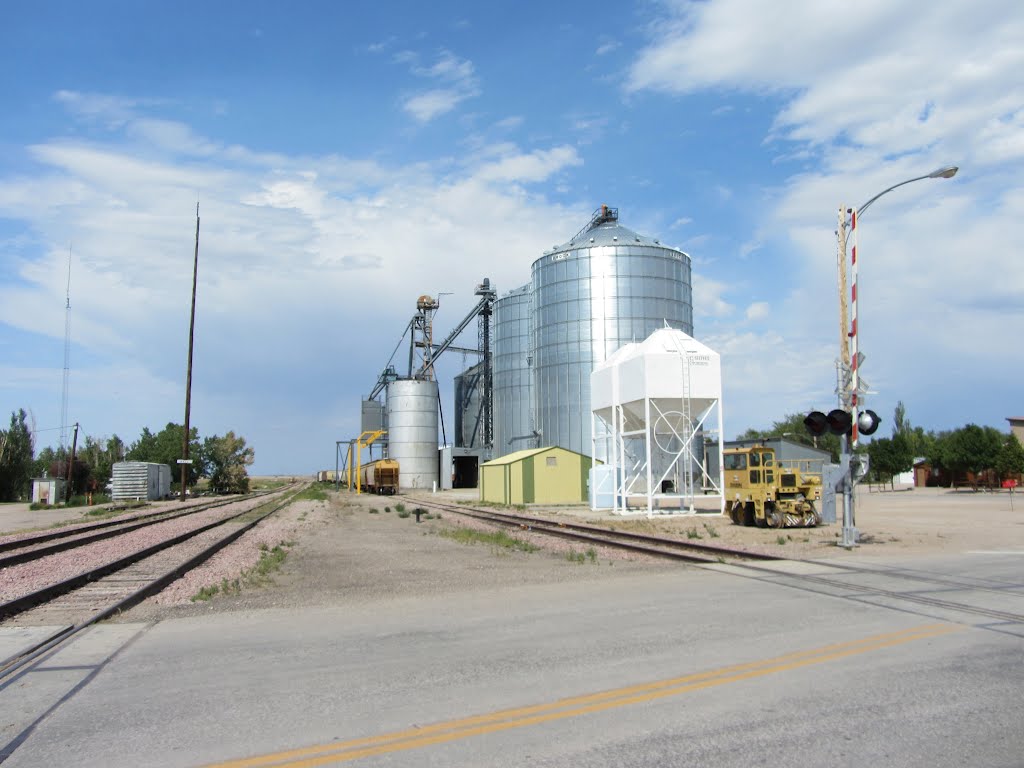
(312, 493)
(399, 508)
(373, 510)
(403, 512)
(499, 539)
(691, 533)
(780, 540)
(264, 484)
(257, 576)
(582, 557)
(75, 501)
(711, 530)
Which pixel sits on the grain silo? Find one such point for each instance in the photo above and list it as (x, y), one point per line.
(412, 431)
(469, 408)
(513, 386)
(606, 287)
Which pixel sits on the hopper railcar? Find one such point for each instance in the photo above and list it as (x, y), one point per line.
(380, 476)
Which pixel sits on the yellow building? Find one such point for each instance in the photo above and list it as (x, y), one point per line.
(536, 476)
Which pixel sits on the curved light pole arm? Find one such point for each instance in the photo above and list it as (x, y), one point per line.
(946, 172)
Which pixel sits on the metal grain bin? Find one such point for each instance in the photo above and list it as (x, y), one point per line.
(412, 431)
(606, 287)
(469, 403)
(513, 385)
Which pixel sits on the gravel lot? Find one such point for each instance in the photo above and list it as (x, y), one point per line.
(339, 552)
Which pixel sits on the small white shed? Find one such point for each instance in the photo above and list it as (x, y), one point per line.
(47, 490)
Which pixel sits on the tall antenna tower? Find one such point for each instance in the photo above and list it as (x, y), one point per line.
(67, 364)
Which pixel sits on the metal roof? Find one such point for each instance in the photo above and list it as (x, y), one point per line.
(608, 233)
(512, 458)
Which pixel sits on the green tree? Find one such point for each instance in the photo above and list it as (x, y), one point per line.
(890, 456)
(101, 454)
(792, 428)
(46, 460)
(16, 451)
(969, 449)
(1010, 459)
(164, 447)
(900, 424)
(227, 458)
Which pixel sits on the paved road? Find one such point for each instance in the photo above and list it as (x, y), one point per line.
(687, 667)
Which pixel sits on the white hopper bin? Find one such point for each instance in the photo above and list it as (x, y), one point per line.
(656, 404)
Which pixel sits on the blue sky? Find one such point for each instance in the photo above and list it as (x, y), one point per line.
(349, 157)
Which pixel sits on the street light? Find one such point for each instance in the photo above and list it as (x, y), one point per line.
(849, 388)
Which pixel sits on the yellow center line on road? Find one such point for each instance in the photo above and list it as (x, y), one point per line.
(453, 730)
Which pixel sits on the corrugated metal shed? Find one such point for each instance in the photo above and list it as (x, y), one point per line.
(550, 475)
(140, 480)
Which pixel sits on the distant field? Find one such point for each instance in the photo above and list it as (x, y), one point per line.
(266, 482)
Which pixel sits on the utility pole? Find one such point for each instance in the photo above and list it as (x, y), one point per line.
(185, 460)
(71, 464)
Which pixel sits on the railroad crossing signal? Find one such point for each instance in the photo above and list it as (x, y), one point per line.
(840, 422)
(868, 421)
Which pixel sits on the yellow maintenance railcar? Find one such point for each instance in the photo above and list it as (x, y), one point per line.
(761, 491)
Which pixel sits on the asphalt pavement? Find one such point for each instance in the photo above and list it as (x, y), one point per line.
(688, 666)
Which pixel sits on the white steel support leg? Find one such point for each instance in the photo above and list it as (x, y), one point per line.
(647, 448)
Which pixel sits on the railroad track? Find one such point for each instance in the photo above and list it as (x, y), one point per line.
(746, 562)
(656, 546)
(100, 592)
(31, 547)
(864, 593)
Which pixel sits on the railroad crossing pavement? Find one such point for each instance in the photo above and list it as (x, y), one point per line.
(686, 666)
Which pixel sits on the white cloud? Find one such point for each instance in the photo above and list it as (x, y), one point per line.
(457, 74)
(924, 85)
(759, 310)
(510, 123)
(430, 104)
(299, 258)
(707, 298)
(749, 247)
(532, 167)
(112, 111)
(899, 91)
(607, 47)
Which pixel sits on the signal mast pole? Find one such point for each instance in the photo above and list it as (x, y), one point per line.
(846, 397)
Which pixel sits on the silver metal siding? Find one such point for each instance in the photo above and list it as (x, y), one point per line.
(589, 300)
(412, 431)
(139, 480)
(469, 427)
(513, 384)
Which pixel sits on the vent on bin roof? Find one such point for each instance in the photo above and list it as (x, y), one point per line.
(601, 215)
